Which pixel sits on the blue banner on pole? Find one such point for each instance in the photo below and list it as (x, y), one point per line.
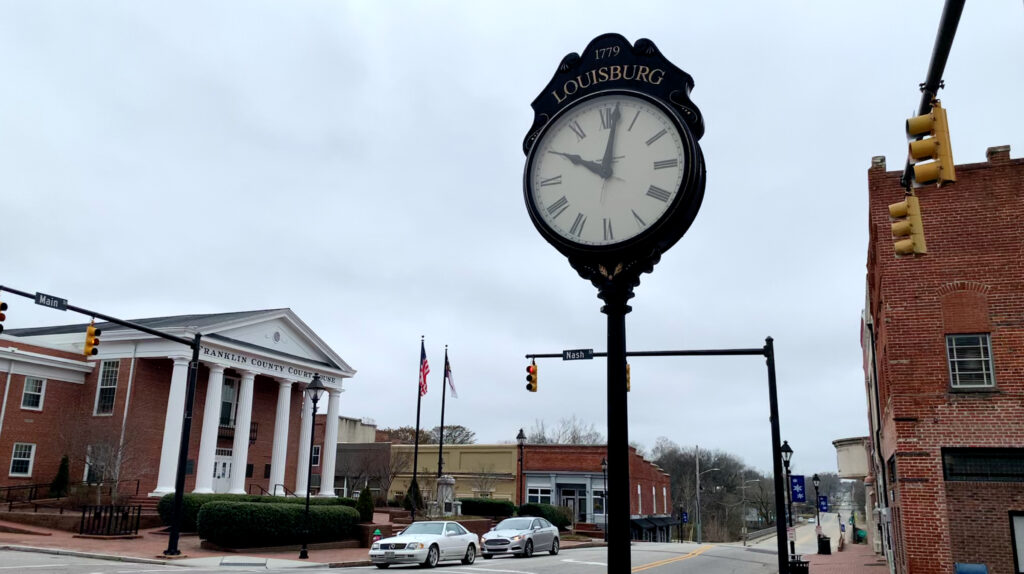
(796, 485)
(686, 517)
(823, 503)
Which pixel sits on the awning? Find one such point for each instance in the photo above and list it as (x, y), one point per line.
(663, 521)
(642, 523)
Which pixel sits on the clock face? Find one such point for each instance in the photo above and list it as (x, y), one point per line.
(606, 170)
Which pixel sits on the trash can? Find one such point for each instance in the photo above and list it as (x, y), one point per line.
(799, 567)
(824, 545)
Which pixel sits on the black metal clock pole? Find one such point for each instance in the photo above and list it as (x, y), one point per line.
(615, 295)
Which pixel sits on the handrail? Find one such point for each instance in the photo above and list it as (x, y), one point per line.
(284, 488)
(35, 490)
(264, 492)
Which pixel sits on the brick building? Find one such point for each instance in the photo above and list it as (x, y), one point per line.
(943, 339)
(119, 413)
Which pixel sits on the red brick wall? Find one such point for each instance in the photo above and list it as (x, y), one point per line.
(568, 458)
(980, 522)
(970, 281)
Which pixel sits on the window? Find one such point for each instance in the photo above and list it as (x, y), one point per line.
(32, 396)
(228, 398)
(664, 500)
(598, 502)
(454, 529)
(266, 471)
(541, 495)
(970, 361)
(107, 388)
(21, 459)
(983, 464)
(1017, 534)
(316, 455)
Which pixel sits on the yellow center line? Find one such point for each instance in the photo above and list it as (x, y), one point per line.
(696, 552)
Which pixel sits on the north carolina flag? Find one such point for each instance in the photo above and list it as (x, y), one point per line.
(448, 376)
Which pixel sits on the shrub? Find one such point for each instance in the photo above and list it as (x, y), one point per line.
(255, 524)
(365, 505)
(193, 502)
(487, 507)
(559, 516)
(59, 486)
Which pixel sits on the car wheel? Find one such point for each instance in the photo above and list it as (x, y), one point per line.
(432, 556)
(382, 566)
(528, 549)
(487, 556)
(554, 546)
(470, 555)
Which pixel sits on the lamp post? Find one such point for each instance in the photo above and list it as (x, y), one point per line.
(698, 499)
(743, 517)
(682, 509)
(817, 504)
(314, 390)
(787, 454)
(521, 439)
(604, 495)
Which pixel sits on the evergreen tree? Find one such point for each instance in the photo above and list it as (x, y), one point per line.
(365, 506)
(413, 498)
(59, 486)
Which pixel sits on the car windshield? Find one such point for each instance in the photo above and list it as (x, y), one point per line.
(425, 528)
(515, 524)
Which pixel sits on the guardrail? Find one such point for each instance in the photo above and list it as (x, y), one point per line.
(759, 534)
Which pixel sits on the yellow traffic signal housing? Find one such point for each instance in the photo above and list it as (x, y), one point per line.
(908, 226)
(627, 377)
(3, 316)
(935, 147)
(531, 377)
(92, 340)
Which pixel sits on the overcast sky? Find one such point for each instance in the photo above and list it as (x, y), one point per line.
(361, 163)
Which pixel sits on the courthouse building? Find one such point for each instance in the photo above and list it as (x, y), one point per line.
(120, 413)
(943, 339)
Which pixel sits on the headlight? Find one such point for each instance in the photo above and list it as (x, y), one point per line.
(414, 545)
(376, 546)
(517, 538)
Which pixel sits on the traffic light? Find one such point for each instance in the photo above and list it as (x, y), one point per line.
(92, 340)
(929, 140)
(531, 377)
(3, 316)
(908, 226)
(627, 377)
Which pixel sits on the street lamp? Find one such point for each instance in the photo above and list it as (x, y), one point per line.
(817, 504)
(315, 389)
(698, 499)
(787, 454)
(521, 439)
(743, 487)
(604, 495)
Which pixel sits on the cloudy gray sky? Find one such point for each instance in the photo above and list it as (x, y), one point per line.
(361, 163)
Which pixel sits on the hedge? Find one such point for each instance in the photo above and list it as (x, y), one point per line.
(487, 507)
(260, 524)
(192, 502)
(557, 515)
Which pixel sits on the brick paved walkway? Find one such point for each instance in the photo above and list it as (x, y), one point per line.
(854, 559)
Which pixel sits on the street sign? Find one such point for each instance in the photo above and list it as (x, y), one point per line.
(686, 517)
(577, 354)
(796, 484)
(791, 533)
(823, 503)
(51, 301)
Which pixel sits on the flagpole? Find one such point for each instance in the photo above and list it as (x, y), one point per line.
(416, 438)
(440, 435)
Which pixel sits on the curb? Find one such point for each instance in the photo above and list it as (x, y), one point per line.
(80, 554)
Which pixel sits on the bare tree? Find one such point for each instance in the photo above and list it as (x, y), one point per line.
(107, 458)
(568, 431)
(453, 434)
(484, 480)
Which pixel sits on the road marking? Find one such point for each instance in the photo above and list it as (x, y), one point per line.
(696, 552)
(582, 562)
(34, 566)
(471, 569)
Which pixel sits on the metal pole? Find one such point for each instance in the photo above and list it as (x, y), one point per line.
(304, 552)
(604, 499)
(521, 477)
(186, 429)
(773, 402)
(615, 297)
(789, 510)
(697, 459)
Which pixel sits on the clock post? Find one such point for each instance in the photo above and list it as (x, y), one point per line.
(614, 177)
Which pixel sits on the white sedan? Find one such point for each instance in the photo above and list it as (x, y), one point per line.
(426, 543)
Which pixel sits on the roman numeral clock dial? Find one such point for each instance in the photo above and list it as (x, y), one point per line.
(606, 169)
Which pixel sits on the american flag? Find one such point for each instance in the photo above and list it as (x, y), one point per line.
(424, 369)
(448, 375)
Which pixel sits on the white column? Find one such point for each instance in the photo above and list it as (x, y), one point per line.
(280, 452)
(240, 448)
(305, 432)
(172, 428)
(329, 451)
(211, 422)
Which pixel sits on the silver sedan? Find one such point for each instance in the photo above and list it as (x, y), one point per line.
(521, 536)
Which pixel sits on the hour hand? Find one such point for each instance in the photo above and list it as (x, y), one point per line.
(577, 160)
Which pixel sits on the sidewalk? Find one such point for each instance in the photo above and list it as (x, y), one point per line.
(151, 543)
(854, 559)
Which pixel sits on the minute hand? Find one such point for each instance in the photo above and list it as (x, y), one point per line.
(577, 160)
(606, 162)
